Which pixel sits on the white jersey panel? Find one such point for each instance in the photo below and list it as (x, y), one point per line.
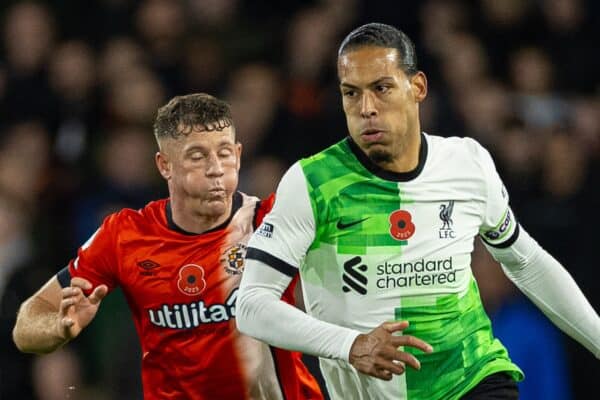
(288, 230)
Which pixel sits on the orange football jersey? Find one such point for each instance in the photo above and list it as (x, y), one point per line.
(182, 289)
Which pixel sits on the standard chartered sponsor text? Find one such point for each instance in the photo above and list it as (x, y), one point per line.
(418, 273)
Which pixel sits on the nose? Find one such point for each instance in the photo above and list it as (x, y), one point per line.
(367, 107)
(215, 167)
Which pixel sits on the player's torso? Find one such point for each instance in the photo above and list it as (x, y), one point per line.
(400, 250)
(182, 290)
(388, 241)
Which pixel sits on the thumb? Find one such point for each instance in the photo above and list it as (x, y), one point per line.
(98, 294)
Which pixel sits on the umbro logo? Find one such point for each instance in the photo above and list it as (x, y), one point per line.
(345, 225)
(148, 264)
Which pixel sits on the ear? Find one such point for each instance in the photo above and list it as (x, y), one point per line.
(238, 153)
(418, 83)
(163, 164)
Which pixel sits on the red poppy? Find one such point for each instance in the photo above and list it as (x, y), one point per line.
(191, 280)
(401, 225)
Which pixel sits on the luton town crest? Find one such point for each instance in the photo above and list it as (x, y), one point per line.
(233, 259)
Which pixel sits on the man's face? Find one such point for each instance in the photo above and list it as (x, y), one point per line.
(380, 101)
(202, 166)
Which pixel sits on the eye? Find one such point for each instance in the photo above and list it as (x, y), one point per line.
(196, 156)
(225, 153)
(382, 88)
(349, 93)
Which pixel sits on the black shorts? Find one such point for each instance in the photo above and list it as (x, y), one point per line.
(498, 386)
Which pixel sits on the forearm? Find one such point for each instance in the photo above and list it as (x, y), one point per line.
(37, 328)
(544, 280)
(261, 314)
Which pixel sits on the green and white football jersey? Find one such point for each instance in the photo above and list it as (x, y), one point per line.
(374, 246)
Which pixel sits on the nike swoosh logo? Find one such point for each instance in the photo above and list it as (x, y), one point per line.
(341, 225)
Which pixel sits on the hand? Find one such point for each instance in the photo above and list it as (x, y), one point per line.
(76, 310)
(376, 353)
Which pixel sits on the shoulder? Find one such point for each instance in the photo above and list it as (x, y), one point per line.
(151, 213)
(327, 163)
(460, 152)
(454, 144)
(248, 200)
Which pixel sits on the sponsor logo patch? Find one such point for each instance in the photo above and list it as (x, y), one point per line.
(266, 230)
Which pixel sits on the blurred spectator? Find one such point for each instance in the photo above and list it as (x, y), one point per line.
(464, 61)
(254, 93)
(15, 243)
(133, 99)
(203, 66)
(28, 41)
(567, 22)
(161, 25)
(484, 107)
(24, 157)
(439, 20)
(121, 58)
(72, 76)
(533, 78)
(262, 177)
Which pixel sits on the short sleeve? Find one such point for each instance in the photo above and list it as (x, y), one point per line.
(286, 233)
(499, 227)
(96, 259)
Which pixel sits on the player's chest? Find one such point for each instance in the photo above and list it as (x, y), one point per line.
(406, 216)
(155, 272)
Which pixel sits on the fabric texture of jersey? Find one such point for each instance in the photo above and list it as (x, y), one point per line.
(182, 289)
(375, 246)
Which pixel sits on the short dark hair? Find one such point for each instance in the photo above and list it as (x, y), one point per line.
(184, 113)
(382, 35)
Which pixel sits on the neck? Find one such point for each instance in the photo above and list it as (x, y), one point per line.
(407, 157)
(190, 215)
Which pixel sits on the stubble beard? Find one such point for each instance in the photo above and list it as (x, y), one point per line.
(380, 156)
(384, 156)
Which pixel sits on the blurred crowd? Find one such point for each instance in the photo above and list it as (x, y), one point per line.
(80, 82)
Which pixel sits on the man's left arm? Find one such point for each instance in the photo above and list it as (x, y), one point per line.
(531, 268)
(551, 288)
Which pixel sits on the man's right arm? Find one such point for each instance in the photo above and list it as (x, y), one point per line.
(66, 304)
(261, 314)
(55, 315)
(37, 329)
(273, 254)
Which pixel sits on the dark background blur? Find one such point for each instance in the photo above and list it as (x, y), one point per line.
(80, 82)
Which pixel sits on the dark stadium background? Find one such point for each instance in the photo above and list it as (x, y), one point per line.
(80, 82)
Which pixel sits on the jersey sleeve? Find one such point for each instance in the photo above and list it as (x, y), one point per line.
(286, 233)
(96, 259)
(499, 227)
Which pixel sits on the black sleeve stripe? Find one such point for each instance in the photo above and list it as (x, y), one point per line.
(64, 277)
(272, 261)
(506, 243)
